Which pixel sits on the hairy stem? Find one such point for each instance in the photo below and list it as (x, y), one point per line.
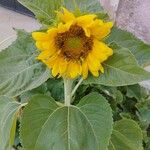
(76, 87)
(68, 88)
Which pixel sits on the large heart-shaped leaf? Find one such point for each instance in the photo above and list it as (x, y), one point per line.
(121, 69)
(125, 39)
(8, 116)
(126, 136)
(83, 127)
(19, 69)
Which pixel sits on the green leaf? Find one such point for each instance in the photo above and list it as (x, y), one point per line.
(54, 127)
(112, 92)
(119, 97)
(143, 112)
(44, 11)
(8, 117)
(42, 89)
(56, 88)
(144, 115)
(19, 69)
(126, 136)
(134, 91)
(121, 69)
(98, 112)
(85, 6)
(138, 48)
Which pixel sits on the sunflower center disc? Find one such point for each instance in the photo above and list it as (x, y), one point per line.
(74, 44)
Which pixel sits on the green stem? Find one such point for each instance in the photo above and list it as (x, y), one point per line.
(76, 87)
(68, 88)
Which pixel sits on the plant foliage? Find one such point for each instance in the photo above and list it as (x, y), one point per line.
(111, 112)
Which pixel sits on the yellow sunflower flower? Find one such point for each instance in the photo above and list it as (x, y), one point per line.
(75, 46)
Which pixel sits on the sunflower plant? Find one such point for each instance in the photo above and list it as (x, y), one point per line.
(73, 84)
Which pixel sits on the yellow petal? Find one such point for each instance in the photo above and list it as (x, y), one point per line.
(52, 60)
(52, 32)
(97, 23)
(95, 73)
(55, 69)
(62, 66)
(100, 56)
(46, 45)
(66, 16)
(64, 27)
(40, 36)
(86, 20)
(74, 69)
(39, 45)
(101, 68)
(101, 30)
(84, 69)
(45, 41)
(44, 55)
(47, 53)
(93, 63)
(101, 51)
(87, 32)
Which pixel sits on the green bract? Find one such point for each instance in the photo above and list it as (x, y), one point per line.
(110, 112)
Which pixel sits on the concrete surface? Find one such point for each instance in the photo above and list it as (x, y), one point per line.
(9, 20)
(111, 7)
(134, 15)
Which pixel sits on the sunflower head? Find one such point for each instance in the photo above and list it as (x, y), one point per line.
(74, 44)
(74, 47)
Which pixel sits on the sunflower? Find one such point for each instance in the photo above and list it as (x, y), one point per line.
(74, 47)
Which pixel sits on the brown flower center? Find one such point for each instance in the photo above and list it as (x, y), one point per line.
(74, 44)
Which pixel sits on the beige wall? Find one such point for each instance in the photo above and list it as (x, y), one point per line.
(111, 7)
